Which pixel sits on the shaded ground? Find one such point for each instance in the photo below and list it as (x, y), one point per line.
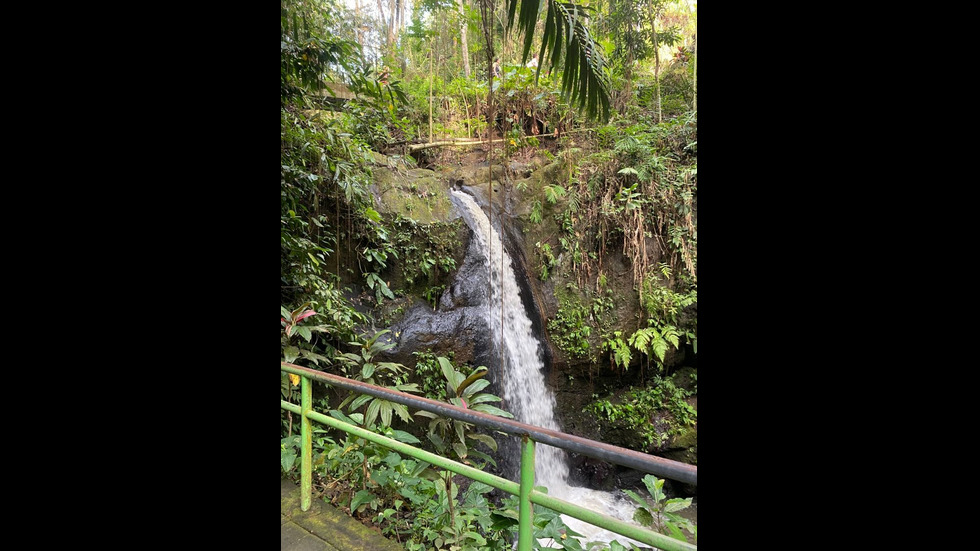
(323, 528)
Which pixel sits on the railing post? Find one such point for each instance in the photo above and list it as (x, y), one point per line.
(525, 535)
(306, 432)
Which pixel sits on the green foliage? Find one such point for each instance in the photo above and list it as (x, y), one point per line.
(547, 525)
(361, 366)
(457, 436)
(548, 260)
(567, 43)
(619, 351)
(660, 513)
(655, 412)
(536, 216)
(570, 328)
(426, 252)
(429, 373)
(553, 193)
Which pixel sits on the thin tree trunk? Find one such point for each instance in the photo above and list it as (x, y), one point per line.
(357, 21)
(462, 33)
(431, 53)
(381, 13)
(391, 24)
(656, 70)
(695, 64)
(469, 133)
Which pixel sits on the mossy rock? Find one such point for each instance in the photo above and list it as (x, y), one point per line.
(417, 194)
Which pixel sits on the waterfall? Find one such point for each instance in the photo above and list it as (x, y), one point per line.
(525, 393)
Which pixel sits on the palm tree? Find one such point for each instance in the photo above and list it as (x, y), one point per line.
(566, 43)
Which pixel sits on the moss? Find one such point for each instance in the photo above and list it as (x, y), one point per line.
(417, 194)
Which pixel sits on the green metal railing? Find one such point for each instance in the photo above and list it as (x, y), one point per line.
(529, 435)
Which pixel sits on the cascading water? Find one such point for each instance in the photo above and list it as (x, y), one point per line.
(527, 396)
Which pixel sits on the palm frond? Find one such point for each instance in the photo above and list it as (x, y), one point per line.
(570, 45)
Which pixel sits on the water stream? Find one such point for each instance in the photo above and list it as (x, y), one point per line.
(524, 390)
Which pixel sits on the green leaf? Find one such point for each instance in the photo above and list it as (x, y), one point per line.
(285, 313)
(341, 417)
(448, 372)
(372, 412)
(675, 532)
(460, 431)
(405, 437)
(386, 413)
(476, 387)
(482, 398)
(643, 516)
(677, 504)
(359, 401)
(486, 408)
(303, 332)
(660, 348)
(476, 538)
(639, 500)
(367, 370)
(288, 458)
(291, 353)
(460, 450)
(486, 440)
(360, 498)
(402, 411)
(372, 214)
(479, 488)
(470, 380)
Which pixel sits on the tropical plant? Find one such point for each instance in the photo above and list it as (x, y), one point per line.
(566, 43)
(619, 351)
(660, 513)
(458, 436)
(361, 366)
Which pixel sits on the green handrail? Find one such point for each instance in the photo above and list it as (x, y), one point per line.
(525, 490)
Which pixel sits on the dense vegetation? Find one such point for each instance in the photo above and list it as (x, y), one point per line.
(609, 113)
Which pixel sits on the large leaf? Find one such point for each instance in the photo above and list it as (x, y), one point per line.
(405, 437)
(639, 500)
(643, 516)
(483, 398)
(385, 413)
(470, 380)
(453, 377)
(367, 370)
(372, 412)
(475, 387)
(402, 411)
(360, 498)
(676, 504)
(486, 408)
(486, 440)
(571, 47)
(360, 401)
(291, 353)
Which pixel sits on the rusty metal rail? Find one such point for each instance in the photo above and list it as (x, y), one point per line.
(529, 435)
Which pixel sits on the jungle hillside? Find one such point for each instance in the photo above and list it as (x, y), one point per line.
(572, 127)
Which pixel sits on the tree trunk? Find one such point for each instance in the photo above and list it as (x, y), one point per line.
(391, 24)
(431, 53)
(656, 68)
(381, 14)
(695, 64)
(462, 33)
(357, 21)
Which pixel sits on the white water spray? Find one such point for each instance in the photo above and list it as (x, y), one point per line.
(527, 396)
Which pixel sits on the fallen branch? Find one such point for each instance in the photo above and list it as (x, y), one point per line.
(449, 143)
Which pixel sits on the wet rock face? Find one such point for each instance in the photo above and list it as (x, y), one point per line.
(461, 331)
(458, 325)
